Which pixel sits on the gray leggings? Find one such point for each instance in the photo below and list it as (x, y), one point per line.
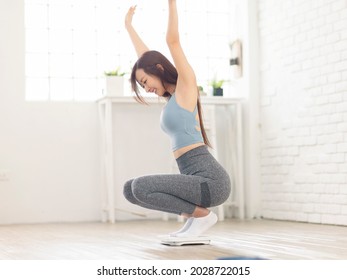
(202, 182)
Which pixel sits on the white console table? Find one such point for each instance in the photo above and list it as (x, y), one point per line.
(105, 106)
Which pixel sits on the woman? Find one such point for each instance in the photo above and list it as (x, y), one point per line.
(203, 182)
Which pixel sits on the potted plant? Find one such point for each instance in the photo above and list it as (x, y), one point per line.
(201, 91)
(114, 82)
(217, 87)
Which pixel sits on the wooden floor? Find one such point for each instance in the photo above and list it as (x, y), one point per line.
(139, 240)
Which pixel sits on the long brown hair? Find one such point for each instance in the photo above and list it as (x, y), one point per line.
(149, 62)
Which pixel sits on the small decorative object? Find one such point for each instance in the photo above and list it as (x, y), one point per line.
(236, 58)
(217, 87)
(114, 82)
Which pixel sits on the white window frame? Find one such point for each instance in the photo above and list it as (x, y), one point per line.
(70, 43)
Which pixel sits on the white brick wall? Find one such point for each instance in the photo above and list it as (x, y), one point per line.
(303, 57)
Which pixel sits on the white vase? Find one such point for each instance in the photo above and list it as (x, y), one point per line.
(114, 85)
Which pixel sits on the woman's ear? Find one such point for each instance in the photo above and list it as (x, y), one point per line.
(160, 67)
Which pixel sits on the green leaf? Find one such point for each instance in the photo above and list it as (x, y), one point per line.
(116, 72)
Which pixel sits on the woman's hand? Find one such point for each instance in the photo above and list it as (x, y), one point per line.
(129, 16)
(139, 45)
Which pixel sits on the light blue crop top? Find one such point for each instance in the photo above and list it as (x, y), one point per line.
(180, 124)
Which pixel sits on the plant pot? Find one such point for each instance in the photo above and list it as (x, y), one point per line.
(114, 85)
(217, 92)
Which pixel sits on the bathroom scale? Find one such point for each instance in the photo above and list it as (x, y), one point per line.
(180, 241)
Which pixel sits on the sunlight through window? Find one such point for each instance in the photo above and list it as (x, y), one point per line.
(70, 43)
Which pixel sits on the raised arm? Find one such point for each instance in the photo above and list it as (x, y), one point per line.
(172, 34)
(139, 45)
(186, 84)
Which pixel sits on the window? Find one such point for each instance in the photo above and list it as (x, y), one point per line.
(70, 43)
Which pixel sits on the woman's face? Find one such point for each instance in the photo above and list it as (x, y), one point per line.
(149, 82)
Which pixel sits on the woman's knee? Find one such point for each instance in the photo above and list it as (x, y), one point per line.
(127, 191)
(138, 188)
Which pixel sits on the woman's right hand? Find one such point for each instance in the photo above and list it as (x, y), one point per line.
(129, 16)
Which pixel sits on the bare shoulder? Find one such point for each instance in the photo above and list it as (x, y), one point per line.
(186, 96)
